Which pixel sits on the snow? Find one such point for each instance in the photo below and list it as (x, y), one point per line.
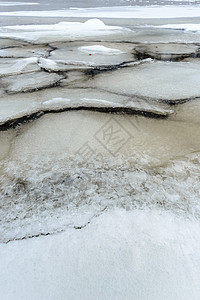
(56, 101)
(144, 12)
(141, 254)
(48, 64)
(100, 49)
(60, 32)
(17, 3)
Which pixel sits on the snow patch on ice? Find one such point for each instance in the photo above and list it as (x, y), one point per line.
(100, 50)
(60, 32)
(56, 101)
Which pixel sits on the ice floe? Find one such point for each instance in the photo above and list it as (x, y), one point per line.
(167, 81)
(15, 107)
(71, 58)
(170, 51)
(29, 82)
(24, 51)
(15, 67)
(72, 133)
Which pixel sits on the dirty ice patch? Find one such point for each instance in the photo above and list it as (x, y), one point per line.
(99, 49)
(140, 12)
(62, 31)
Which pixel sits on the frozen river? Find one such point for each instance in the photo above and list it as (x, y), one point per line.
(99, 150)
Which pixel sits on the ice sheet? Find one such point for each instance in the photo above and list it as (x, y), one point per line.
(144, 12)
(24, 51)
(30, 82)
(167, 81)
(15, 67)
(17, 106)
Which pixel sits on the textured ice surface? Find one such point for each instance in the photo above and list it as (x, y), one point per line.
(16, 106)
(24, 51)
(29, 82)
(8, 43)
(45, 193)
(15, 67)
(167, 51)
(157, 140)
(170, 81)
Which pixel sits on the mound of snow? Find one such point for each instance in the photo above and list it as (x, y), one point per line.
(62, 31)
(100, 50)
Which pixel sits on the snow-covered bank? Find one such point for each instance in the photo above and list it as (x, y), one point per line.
(144, 12)
(129, 255)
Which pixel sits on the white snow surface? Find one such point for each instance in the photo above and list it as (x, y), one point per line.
(17, 3)
(141, 12)
(100, 49)
(60, 32)
(141, 254)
